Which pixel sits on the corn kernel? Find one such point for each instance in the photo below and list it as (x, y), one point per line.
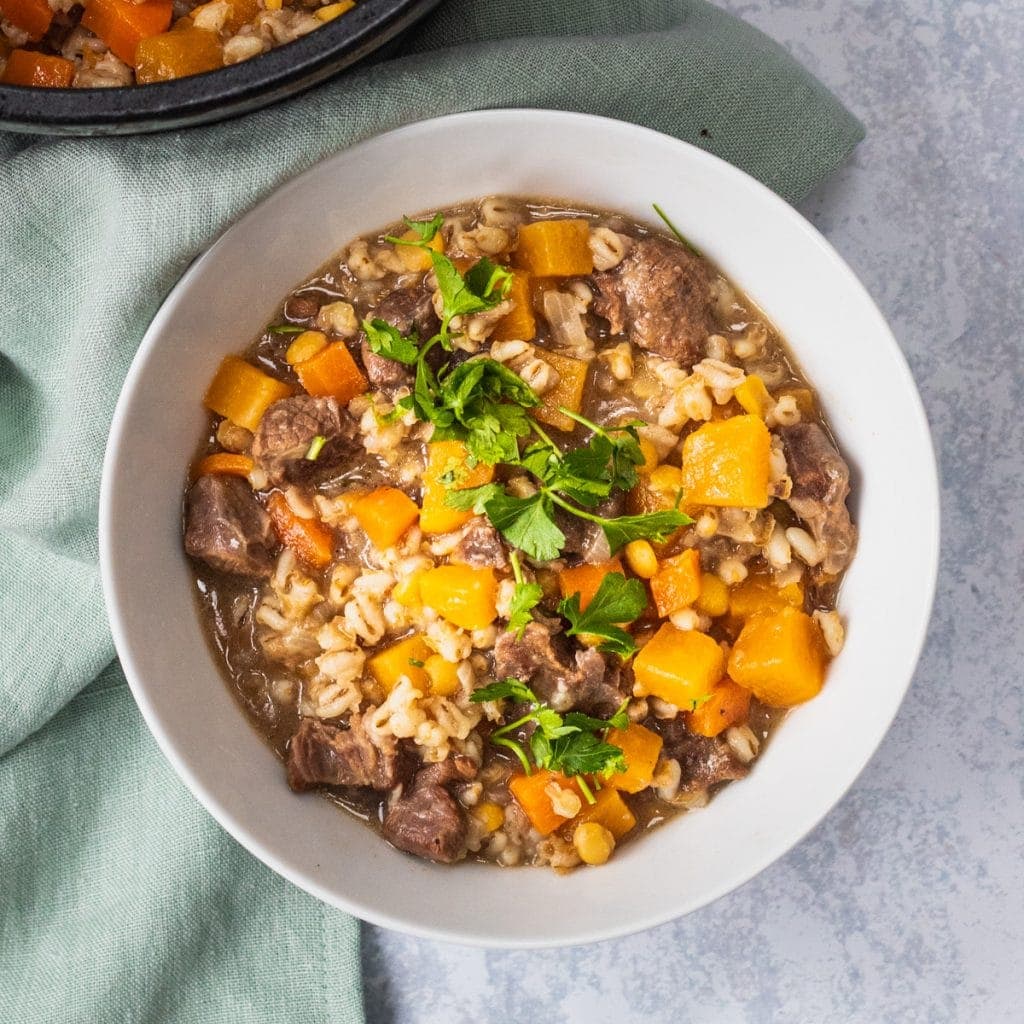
(593, 842)
(650, 454)
(272, 5)
(331, 11)
(444, 676)
(667, 479)
(305, 346)
(490, 815)
(714, 596)
(641, 558)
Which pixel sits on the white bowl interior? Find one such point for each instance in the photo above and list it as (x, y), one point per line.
(839, 338)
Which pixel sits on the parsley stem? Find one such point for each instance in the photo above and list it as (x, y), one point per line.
(585, 789)
(572, 508)
(513, 725)
(502, 741)
(517, 569)
(675, 231)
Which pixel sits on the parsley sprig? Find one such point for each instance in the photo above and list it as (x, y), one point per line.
(525, 598)
(572, 744)
(617, 601)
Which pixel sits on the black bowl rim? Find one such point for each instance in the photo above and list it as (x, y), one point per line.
(216, 94)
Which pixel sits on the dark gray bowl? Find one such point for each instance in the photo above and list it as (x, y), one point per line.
(215, 95)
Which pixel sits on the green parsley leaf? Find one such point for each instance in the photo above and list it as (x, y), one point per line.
(526, 523)
(473, 499)
(525, 598)
(617, 600)
(584, 753)
(388, 341)
(656, 526)
(488, 279)
(510, 687)
(424, 230)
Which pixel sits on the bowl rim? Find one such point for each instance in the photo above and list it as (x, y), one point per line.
(212, 95)
(359, 907)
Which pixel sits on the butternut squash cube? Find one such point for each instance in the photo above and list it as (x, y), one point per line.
(642, 748)
(726, 463)
(568, 392)
(610, 810)
(555, 248)
(586, 579)
(332, 372)
(448, 470)
(728, 705)
(676, 584)
(758, 594)
(519, 323)
(530, 792)
(754, 397)
(405, 658)
(176, 54)
(444, 676)
(385, 514)
(679, 666)
(780, 657)
(241, 393)
(462, 594)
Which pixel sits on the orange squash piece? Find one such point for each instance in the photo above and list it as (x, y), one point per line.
(728, 705)
(586, 579)
(529, 792)
(610, 810)
(408, 657)
(726, 463)
(385, 514)
(519, 323)
(780, 657)
(122, 25)
(462, 594)
(448, 470)
(568, 392)
(311, 541)
(642, 748)
(555, 248)
(679, 666)
(332, 372)
(754, 397)
(757, 594)
(25, 67)
(227, 463)
(241, 393)
(176, 54)
(33, 17)
(676, 584)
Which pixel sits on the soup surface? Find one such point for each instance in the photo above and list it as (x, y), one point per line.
(517, 531)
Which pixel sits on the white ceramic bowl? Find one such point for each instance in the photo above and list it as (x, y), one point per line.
(845, 348)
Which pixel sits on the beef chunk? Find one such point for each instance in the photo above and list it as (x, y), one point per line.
(286, 430)
(323, 754)
(384, 372)
(408, 310)
(560, 672)
(427, 821)
(481, 546)
(587, 539)
(821, 482)
(660, 295)
(704, 761)
(302, 307)
(226, 527)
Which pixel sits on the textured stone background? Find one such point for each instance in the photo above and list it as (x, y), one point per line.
(906, 903)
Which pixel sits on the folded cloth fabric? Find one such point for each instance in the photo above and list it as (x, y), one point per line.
(121, 898)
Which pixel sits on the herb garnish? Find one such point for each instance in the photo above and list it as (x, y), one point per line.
(315, 447)
(285, 329)
(617, 601)
(388, 341)
(567, 743)
(675, 231)
(525, 598)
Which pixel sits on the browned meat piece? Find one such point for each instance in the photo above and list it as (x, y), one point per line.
(322, 754)
(408, 310)
(587, 539)
(288, 427)
(226, 527)
(481, 546)
(703, 760)
(660, 294)
(560, 672)
(427, 821)
(821, 482)
(302, 307)
(381, 371)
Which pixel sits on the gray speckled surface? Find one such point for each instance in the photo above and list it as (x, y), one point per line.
(906, 903)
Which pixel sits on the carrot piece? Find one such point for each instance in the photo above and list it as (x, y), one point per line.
(610, 810)
(728, 704)
(227, 463)
(241, 393)
(642, 748)
(332, 372)
(530, 792)
(568, 392)
(555, 248)
(25, 67)
(31, 16)
(585, 579)
(462, 594)
(385, 514)
(122, 25)
(676, 584)
(520, 323)
(184, 51)
(448, 470)
(308, 538)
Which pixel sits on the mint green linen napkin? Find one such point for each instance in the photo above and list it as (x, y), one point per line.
(120, 898)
